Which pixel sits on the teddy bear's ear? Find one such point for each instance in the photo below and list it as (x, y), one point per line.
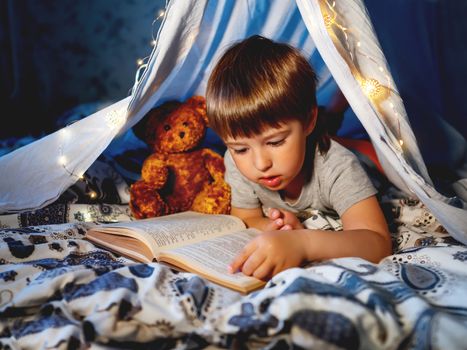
(199, 104)
(149, 121)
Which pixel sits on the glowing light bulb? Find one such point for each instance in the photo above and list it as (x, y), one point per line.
(401, 142)
(372, 88)
(64, 133)
(92, 194)
(139, 61)
(116, 118)
(328, 20)
(153, 42)
(62, 160)
(161, 13)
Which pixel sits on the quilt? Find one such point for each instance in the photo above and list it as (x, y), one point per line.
(59, 291)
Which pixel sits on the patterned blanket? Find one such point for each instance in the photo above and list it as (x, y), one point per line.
(58, 291)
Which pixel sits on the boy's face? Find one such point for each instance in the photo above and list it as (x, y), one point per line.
(274, 158)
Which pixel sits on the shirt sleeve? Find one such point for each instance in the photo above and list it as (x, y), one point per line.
(243, 193)
(345, 181)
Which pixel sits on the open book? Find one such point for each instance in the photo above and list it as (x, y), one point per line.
(200, 243)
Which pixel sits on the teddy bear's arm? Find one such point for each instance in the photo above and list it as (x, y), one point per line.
(155, 171)
(215, 164)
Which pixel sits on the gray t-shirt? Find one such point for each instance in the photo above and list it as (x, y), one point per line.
(338, 182)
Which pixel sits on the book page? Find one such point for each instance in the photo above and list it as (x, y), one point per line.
(213, 256)
(124, 245)
(171, 231)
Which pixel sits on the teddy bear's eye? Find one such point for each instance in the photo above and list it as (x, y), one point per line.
(185, 124)
(166, 127)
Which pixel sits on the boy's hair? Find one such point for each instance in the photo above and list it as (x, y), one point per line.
(259, 83)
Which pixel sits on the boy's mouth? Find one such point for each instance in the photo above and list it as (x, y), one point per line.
(272, 181)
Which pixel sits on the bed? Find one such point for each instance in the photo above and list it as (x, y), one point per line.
(59, 291)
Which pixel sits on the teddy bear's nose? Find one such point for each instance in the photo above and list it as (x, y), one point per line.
(182, 134)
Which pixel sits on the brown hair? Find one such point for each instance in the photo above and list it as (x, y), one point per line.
(259, 83)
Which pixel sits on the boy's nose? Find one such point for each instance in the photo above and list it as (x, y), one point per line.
(262, 161)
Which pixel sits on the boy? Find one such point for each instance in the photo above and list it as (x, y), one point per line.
(280, 162)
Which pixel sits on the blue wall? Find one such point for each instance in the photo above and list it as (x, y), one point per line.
(425, 43)
(58, 54)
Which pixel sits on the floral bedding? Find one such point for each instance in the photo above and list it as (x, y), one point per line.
(59, 291)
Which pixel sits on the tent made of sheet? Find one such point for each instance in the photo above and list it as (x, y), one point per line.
(192, 36)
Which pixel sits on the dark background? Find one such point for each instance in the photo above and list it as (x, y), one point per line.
(55, 55)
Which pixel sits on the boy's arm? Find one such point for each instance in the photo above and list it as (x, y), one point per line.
(365, 235)
(277, 219)
(252, 218)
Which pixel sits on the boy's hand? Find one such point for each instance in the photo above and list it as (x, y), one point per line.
(282, 220)
(271, 253)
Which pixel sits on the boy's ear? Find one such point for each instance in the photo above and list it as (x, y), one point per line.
(312, 122)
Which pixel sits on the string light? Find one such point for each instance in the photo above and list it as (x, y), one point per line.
(62, 160)
(142, 62)
(161, 14)
(375, 90)
(329, 17)
(401, 142)
(328, 20)
(64, 133)
(372, 88)
(115, 118)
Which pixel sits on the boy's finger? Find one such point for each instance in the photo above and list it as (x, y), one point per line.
(274, 225)
(279, 223)
(286, 227)
(273, 213)
(289, 217)
(263, 272)
(239, 260)
(253, 262)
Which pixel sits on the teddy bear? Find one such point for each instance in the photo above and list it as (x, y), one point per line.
(179, 175)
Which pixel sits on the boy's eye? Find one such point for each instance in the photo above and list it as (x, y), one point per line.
(276, 143)
(239, 150)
